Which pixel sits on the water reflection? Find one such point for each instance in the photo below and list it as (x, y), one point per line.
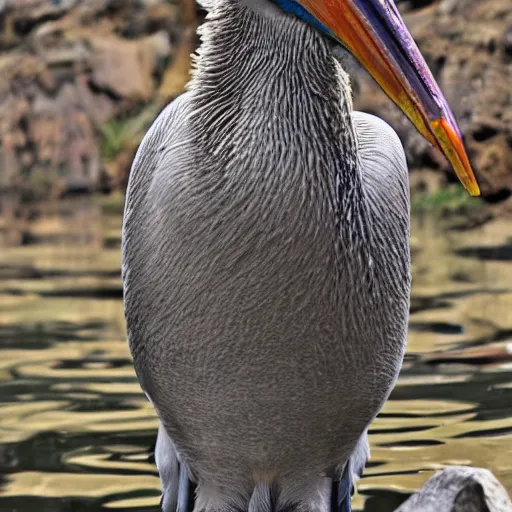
(76, 433)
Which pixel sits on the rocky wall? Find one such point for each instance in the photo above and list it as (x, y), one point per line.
(68, 68)
(80, 81)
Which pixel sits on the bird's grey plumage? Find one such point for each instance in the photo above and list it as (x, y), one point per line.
(266, 267)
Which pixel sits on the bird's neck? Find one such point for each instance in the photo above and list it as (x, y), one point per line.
(267, 89)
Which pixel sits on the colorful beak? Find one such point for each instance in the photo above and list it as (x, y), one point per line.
(374, 32)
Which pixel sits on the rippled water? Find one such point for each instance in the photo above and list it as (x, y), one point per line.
(76, 433)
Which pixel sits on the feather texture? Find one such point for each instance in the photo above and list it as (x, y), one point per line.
(266, 266)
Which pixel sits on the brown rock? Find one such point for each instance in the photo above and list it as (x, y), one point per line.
(34, 10)
(125, 68)
(70, 73)
(64, 138)
(20, 16)
(45, 140)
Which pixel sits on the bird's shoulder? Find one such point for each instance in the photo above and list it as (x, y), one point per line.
(383, 166)
(152, 150)
(151, 162)
(382, 159)
(386, 191)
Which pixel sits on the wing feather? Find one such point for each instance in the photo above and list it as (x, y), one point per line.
(386, 185)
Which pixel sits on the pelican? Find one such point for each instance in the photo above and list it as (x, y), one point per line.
(266, 265)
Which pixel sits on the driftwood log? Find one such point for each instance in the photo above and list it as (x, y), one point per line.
(460, 489)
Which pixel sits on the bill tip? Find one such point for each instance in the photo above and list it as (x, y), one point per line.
(473, 189)
(452, 146)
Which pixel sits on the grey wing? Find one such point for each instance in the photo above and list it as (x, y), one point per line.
(173, 473)
(386, 185)
(139, 217)
(384, 166)
(149, 160)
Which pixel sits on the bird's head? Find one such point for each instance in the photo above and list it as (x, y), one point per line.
(374, 32)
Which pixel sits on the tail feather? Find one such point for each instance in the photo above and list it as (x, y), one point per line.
(360, 457)
(168, 468)
(261, 499)
(179, 492)
(177, 488)
(342, 491)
